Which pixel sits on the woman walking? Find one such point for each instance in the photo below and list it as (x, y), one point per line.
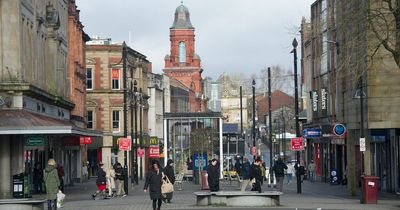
(153, 184)
(169, 172)
(101, 181)
(52, 183)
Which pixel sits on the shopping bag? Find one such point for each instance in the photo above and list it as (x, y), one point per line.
(60, 199)
(166, 186)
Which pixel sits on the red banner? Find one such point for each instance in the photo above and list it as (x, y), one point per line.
(115, 74)
(124, 144)
(297, 144)
(154, 152)
(85, 140)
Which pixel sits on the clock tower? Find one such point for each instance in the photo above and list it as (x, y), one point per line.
(183, 64)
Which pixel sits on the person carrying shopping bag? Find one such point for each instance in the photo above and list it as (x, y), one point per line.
(52, 183)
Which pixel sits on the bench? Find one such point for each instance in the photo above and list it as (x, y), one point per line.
(237, 198)
(22, 204)
(188, 175)
(179, 180)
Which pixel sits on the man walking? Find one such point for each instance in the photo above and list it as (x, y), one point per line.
(311, 170)
(279, 170)
(245, 174)
(120, 175)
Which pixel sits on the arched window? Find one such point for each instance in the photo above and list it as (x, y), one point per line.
(182, 52)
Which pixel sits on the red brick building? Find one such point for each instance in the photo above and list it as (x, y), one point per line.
(278, 98)
(77, 39)
(183, 63)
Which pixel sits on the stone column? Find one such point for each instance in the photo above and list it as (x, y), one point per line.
(351, 163)
(5, 165)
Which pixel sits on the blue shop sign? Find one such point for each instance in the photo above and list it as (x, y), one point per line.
(339, 129)
(312, 133)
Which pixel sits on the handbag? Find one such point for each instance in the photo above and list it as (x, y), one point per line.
(166, 186)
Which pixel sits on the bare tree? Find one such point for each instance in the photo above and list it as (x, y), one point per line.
(384, 21)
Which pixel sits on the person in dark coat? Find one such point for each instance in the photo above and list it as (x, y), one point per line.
(38, 178)
(101, 181)
(213, 175)
(246, 174)
(169, 172)
(120, 175)
(300, 170)
(255, 173)
(279, 170)
(153, 184)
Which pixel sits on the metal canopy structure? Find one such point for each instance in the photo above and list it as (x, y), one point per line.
(191, 133)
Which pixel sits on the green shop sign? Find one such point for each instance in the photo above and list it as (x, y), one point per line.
(34, 141)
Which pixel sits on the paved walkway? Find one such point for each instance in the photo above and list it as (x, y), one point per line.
(315, 195)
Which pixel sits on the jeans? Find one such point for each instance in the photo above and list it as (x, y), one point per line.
(312, 176)
(52, 204)
(289, 178)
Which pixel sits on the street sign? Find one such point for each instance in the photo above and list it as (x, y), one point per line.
(339, 129)
(362, 145)
(154, 152)
(124, 144)
(34, 141)
(200, 160)
(140, 153)
(297, 144)
(312, 133)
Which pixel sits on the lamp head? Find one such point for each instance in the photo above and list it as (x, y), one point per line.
(294, 43)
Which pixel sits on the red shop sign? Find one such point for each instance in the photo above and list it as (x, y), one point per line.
(154, 152)
(85, 140)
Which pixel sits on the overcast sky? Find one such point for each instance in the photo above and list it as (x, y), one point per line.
(231, 35)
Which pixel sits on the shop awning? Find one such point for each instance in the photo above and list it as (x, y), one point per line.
(18, 122)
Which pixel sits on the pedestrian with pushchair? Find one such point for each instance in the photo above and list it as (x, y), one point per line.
(101, 182)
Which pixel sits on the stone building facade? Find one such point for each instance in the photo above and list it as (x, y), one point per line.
(105, 99)
(35, 102)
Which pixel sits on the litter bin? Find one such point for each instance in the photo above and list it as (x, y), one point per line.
(369, 189)
(18, 185)
(204, 180)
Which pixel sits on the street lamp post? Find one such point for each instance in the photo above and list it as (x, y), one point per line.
(136, 144)
(270, 124)
(296, 110)
(254, 115)
(141, 131)
(133, 101)
(124, 80)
